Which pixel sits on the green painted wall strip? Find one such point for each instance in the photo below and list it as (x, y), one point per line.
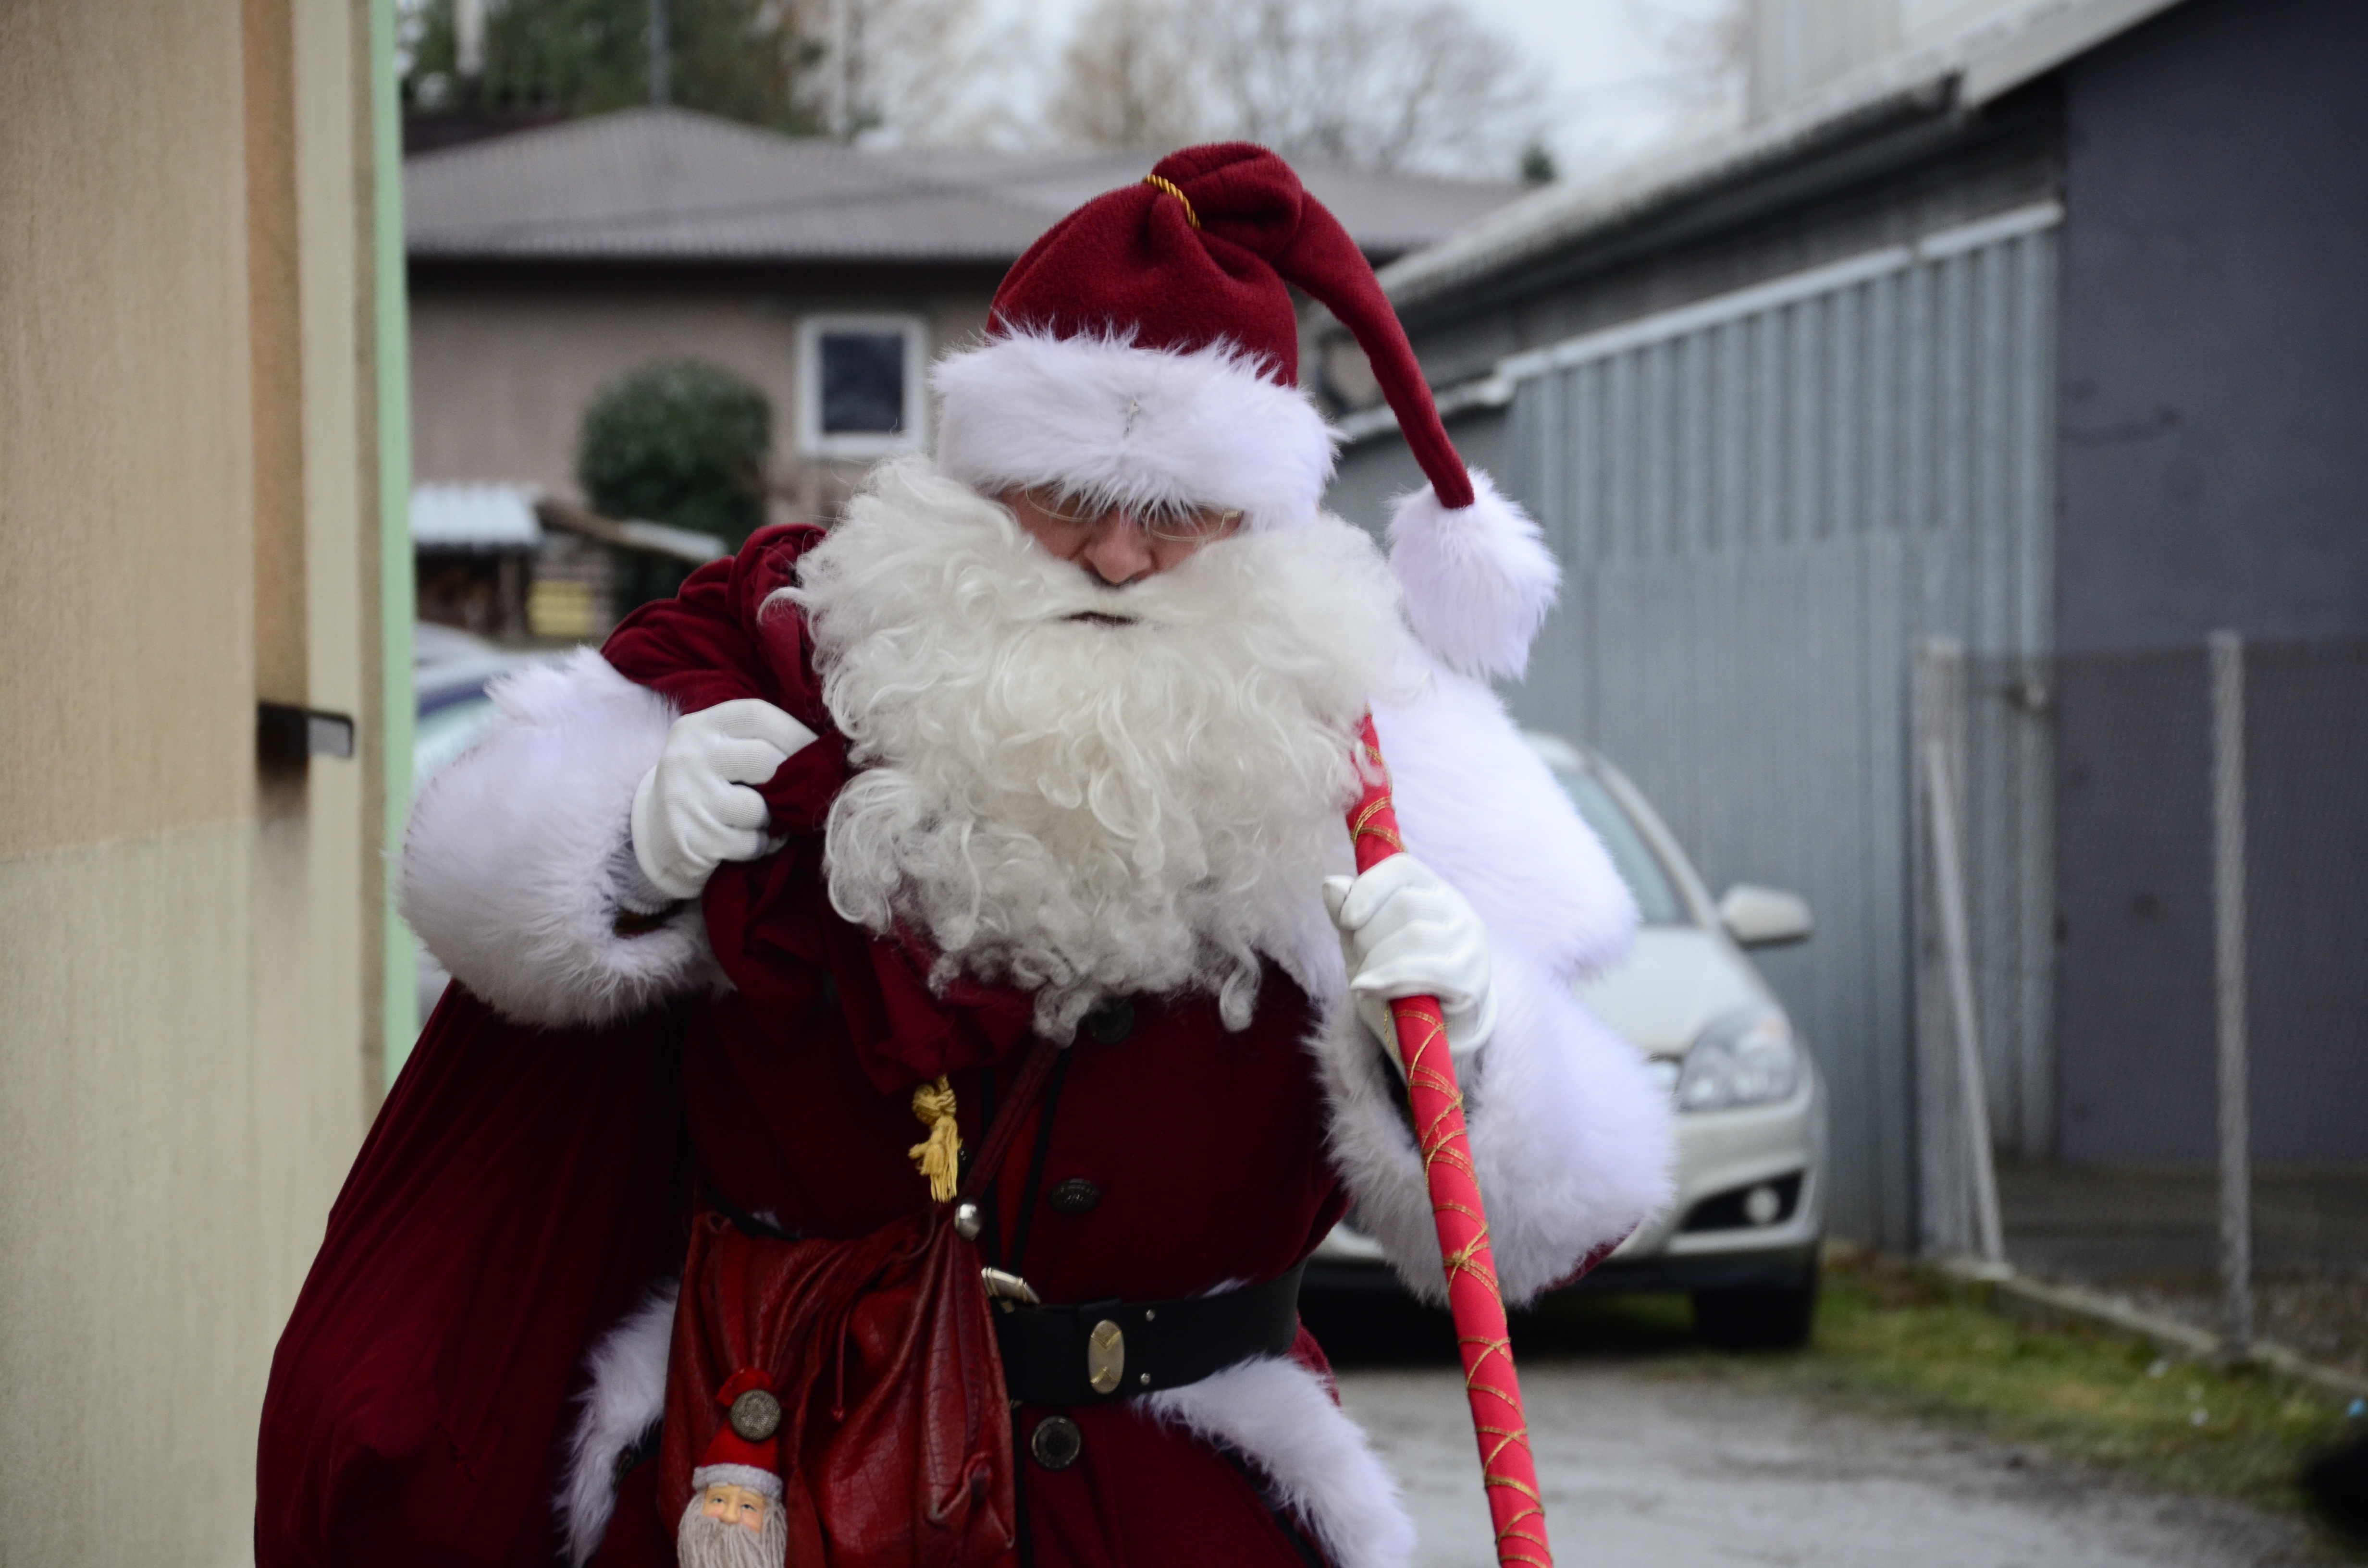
(397, 602)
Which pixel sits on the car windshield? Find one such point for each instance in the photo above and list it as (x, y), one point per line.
(1657, 901)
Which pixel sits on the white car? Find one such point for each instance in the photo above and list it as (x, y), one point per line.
(1742, 1234)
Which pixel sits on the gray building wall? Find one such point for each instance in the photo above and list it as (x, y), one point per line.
(1930, 177)
(1758, 515)
(2198, 368)
(2215, 327)
(2214, 354)
(1374, 473)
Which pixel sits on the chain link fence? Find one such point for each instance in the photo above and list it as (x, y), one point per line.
(2141, 977)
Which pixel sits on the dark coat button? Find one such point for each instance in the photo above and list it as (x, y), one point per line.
(1076, 1196)
(1057, 1442)
(1111, 1022)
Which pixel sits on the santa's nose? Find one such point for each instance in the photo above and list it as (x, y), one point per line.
(1120, 551)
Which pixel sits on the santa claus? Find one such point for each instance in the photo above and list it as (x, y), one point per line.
(1047, 740)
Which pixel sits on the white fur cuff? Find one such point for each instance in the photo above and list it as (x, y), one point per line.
(509, 862)
(1477, 805)
(1570, 1138)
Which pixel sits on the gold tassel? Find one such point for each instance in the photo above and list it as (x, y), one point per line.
(938, 1155)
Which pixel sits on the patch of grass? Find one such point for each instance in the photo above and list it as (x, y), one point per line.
(1901, 1341)
(1937, 1349)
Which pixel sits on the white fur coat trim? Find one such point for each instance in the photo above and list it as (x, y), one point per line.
(624, 1396)
(506, 862)
(1479, 806)
(1570, 1136)
(1100, 416)
(1283, 1419)
(1479, 579)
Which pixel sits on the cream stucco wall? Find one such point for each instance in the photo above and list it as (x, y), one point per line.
(187, 949)
(502, 370)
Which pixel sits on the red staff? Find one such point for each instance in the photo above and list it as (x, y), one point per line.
(1507, 1466)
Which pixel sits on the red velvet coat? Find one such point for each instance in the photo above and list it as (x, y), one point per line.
(522, 1186)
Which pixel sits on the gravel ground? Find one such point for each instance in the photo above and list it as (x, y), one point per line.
(1668, 1472)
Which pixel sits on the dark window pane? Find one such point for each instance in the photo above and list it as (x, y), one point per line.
(862, 383)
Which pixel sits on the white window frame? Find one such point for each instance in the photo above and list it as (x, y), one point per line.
(811, 441)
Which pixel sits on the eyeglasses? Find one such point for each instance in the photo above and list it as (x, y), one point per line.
(1167, 522)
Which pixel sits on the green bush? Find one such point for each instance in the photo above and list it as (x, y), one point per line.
(682, 443)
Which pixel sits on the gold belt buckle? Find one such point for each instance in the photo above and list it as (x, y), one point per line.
(1105, 1356)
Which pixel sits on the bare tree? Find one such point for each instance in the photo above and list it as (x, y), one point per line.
(1705, 46)
(917, 71)
(1130, 78)
(1389, 84)
(1385, 83)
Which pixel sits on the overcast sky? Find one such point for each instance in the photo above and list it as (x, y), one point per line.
(1610, 69)
(1612, 73)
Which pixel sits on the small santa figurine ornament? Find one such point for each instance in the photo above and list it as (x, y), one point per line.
(734, 1519)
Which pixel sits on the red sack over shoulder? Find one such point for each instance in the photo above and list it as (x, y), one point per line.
(520, 1193)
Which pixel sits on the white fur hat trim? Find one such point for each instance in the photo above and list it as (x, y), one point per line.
(1143, 426)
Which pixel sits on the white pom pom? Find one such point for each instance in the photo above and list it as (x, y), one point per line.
(1479, 579)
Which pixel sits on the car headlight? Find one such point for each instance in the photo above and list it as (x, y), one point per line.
(1746, 1058)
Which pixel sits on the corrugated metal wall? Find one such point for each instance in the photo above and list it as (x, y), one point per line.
(1762, 501)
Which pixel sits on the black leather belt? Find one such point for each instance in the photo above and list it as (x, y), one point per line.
(1105, 1350)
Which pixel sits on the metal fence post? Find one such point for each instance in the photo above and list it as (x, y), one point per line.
(1959, 1201)
(1973, 1083)
(2227, 662)
(1943, 1207)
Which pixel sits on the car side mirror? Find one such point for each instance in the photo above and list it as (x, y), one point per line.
(1764, 917)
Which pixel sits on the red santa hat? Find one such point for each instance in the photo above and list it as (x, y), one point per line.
(744, 1451)
(1145, 351)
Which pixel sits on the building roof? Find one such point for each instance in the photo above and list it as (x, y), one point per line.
(669, 183)
(1387, 214)
(474, 517)
(489, 518)
(1961, 73)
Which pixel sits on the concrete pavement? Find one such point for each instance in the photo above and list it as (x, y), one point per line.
(1651, 1472)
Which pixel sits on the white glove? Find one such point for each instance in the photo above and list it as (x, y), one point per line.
(694, 809)
(1406, 933)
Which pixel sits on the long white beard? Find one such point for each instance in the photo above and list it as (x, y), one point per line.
(1081, 809)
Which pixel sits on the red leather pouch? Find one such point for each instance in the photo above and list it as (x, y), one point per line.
(896, 1431)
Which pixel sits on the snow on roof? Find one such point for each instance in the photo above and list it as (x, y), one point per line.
(474, 517)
